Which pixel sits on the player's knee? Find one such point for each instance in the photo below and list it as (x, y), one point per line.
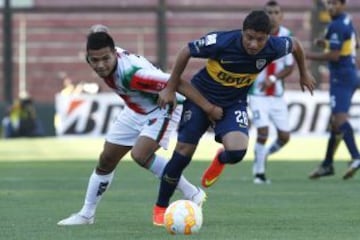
(262, 134)
(262, 138)
(106, 164)
(284, 138)
(235, 156)
(139, 158)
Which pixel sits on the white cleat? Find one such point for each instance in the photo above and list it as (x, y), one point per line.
(261, 179)
(199, 198)
(76, 219)
(350, 172)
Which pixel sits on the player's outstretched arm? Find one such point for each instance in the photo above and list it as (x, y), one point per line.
(167, 95)
(332, 55)
(214, 112)
(306, 78)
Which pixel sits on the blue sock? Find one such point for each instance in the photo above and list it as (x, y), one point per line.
(222, 157)
(170, 178)
(349, 140)
(231, 156)
(333, 143)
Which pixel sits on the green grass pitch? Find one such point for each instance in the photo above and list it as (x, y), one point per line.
(44, 180)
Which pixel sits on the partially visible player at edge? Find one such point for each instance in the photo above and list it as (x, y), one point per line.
(234, 60)
(339, 43)
(266, 100)
(141, 127)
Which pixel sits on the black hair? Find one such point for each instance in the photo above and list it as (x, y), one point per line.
(98, 40)
(272, 3)
(258, 21)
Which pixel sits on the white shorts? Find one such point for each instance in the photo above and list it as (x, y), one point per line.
(267, 108)
(129, 126)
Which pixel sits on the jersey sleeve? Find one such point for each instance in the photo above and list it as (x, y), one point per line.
(148, 80)
(282, 46)
(335, 37)
(289, 60)
(205, 47)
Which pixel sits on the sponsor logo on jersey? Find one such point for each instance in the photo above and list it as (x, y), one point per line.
(227, 78)
(224, 61)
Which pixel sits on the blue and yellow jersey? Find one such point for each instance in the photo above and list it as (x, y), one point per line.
(230, 70)
(340, 35)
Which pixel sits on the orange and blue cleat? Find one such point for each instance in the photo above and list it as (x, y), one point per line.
(212, 173)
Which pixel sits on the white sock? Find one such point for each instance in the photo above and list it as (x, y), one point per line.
(96, 187)
(157, 166)
(260, 158)
(184, 186)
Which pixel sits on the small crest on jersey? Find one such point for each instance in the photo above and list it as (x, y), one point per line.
(334, 38)
(260, 63)
(151, 121)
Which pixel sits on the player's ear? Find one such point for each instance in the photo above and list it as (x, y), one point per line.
(87, 58)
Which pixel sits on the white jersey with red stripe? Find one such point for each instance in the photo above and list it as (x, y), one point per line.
(280, 64)
(137, 82)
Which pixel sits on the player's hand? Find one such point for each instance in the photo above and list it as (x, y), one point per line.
(320, 43)
(166, 96)
(214, 113)
(308, 81)
(266, 84)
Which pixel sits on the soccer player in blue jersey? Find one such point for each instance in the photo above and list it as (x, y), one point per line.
(234, 60)
(340, 51)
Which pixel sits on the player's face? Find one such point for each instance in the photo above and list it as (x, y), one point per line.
(275, 15)
(103, 61)
(253, 42)
(334, 7)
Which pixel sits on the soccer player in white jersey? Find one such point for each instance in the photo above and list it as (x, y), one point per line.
(142, 126)
(266, 100)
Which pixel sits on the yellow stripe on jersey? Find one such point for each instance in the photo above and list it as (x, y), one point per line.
(229, 79)
(348, 47)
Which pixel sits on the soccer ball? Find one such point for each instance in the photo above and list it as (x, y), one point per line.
(183, 217)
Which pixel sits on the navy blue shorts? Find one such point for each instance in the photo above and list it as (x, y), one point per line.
(194, 122)
(343, 84)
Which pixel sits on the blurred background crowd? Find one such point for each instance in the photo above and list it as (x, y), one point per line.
(44, 44)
